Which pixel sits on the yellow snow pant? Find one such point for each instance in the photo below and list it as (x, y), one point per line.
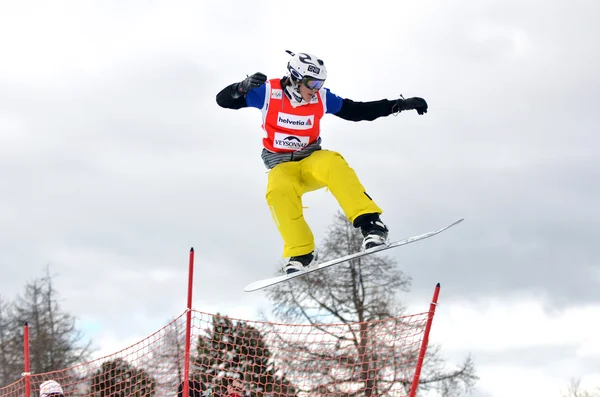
(289, 181)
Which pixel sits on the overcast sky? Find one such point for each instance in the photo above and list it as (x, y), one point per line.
(112, 148)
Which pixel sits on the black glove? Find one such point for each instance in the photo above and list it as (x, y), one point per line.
(256, 80)
(416, 103)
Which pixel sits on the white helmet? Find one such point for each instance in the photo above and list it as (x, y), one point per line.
(306, 65)
(51, 388)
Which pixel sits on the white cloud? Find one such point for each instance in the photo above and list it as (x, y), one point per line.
(521, 322)
(512, 340)
(519, 381)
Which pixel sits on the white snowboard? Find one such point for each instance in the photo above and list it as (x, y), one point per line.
(279, 279)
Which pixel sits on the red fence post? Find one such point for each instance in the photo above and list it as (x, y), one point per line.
(424, 342)
(26, 370)
(188, 327)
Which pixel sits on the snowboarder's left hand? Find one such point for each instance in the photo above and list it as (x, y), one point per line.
(416, 103)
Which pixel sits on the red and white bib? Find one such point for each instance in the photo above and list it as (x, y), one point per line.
(288, 128)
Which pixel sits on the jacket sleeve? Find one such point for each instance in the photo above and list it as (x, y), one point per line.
(365, 111)
(230, 98)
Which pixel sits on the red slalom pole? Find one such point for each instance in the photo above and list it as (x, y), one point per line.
(188, 326)
(26, 372)
(425, 341)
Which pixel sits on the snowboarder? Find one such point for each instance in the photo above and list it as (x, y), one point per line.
(292, 108)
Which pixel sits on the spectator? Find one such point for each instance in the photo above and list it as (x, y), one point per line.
(51, 388)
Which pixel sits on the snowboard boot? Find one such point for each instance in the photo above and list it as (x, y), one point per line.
(374, 231)
(300, 263)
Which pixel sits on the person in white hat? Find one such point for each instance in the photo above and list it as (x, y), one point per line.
(51, 388)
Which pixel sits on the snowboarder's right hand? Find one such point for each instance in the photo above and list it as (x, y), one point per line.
(253, 81)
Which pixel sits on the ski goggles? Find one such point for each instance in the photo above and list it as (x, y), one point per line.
(312, 83)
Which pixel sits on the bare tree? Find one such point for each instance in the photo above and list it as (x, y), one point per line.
(8, 367)
(363, 357)
(167, 363)
(55, 342)
(575, 390)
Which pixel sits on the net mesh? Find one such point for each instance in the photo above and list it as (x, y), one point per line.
(236, 358)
